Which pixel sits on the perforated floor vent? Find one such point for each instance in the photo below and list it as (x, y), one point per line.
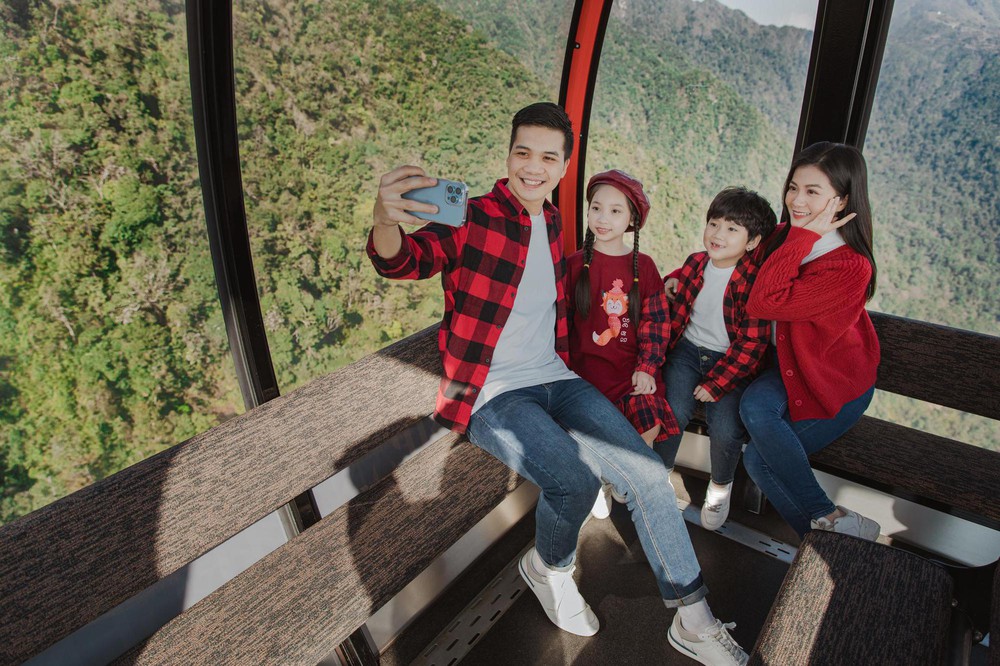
(452, 644)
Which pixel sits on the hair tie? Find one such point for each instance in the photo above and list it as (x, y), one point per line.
(635, 280)
(586, 265)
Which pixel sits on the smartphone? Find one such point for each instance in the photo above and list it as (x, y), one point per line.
(450, 196)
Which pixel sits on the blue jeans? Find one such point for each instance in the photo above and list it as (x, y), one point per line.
(684, 370)
(565, 437)
(777, 456)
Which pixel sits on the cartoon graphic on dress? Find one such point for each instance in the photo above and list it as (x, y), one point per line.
(615, 304)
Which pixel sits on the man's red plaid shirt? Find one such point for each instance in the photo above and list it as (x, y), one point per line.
(748, 335)
(481, 264)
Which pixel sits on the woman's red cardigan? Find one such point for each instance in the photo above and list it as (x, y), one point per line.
(828, 351)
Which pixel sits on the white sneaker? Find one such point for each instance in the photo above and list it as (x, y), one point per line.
(714, 646)
(851, 523)
(715, 510)
(602, 506)
(560, 598)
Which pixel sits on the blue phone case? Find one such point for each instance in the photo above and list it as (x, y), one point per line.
(450, 196)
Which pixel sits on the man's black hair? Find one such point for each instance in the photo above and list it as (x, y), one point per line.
(745, 208)
(544, 114)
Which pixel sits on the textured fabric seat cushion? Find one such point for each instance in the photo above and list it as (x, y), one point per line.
(849, 601)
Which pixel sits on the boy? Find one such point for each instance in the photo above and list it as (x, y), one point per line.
(715, 348)
(504, 352)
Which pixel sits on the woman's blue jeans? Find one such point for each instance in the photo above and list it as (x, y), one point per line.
(777, 457)
(684, 370)
(565, 437)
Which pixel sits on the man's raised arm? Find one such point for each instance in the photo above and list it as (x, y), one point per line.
(391, 208)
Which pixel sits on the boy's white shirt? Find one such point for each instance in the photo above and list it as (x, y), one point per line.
(707, 327)
(525, 354)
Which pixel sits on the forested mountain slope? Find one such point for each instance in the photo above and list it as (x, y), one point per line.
(934, 154)
(112, 344)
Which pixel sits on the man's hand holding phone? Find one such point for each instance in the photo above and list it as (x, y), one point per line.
(408, 195)
(391, 208)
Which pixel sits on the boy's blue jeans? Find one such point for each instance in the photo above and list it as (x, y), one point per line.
(684, 370)
(565, 437)
(777, 456)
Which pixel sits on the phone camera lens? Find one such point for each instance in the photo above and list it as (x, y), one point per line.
(451, 189)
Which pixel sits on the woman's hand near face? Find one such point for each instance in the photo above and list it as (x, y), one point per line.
(827, 220)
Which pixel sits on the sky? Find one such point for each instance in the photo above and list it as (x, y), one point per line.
(799, 13)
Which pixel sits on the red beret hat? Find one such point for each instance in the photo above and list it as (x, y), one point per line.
(629, 186)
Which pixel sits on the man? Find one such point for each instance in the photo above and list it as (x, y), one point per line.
(504, 348)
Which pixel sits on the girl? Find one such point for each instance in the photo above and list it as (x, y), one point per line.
(817, 275)
(618, 310)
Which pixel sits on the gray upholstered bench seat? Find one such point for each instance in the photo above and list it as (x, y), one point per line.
(850, 601)
(68, 566)
(942, 366)
(936, 471)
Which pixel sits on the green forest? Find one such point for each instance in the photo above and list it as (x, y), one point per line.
(112, 344)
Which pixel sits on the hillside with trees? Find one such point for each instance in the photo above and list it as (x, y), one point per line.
(112, 345)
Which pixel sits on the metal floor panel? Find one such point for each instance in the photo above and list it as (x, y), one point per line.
(453, 644)
(616, 579)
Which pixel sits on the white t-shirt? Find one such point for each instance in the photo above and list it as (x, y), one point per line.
(826, 243)
(526, 351)
(707, 327)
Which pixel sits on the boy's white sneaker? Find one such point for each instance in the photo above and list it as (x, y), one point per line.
(851, 523)
(560, 598)
(714, 646)
(602, 506)
(715, 510)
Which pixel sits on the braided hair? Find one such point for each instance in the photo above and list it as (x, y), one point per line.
(581, 293)
(633, 295)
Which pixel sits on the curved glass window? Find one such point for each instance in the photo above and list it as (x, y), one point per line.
(934, 169)
(330, 95)
(112, 343)
(692, 97)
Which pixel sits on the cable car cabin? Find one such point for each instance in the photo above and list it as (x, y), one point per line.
(335, 522)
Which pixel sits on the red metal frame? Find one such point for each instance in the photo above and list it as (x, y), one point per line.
(583, 52)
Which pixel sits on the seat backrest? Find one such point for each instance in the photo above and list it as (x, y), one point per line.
(938, 364)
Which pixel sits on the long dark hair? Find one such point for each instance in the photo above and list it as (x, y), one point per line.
(845, 167)
(581, 293)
